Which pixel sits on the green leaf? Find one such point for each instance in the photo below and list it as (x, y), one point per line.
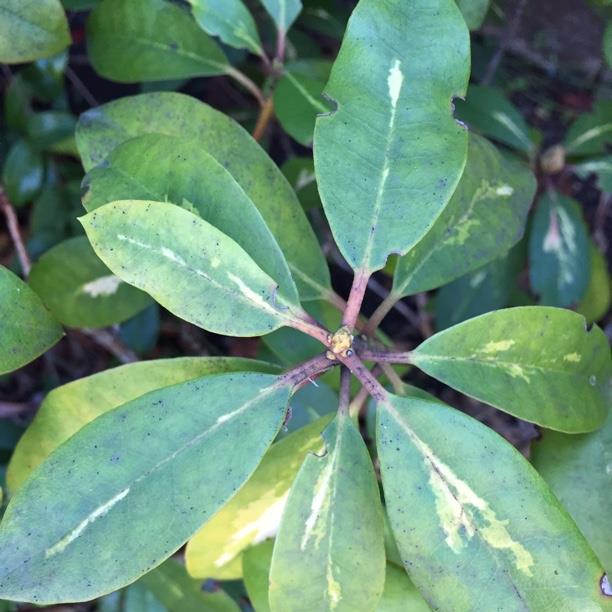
(178, 592)
(27, 329)
(102, 129)
(80, 291)
(465, 506)
(54, 213)
(283, 12)
(389, 158)
(329, 553)
(484, 218)
(537, 363)
(298, 98)
(601, 167)
(486, 289)
(31, 30)
(141, 332)
(70, 407)
(150, 40)
(590, 133)
(135, 598)
(177, 170)
(254, 513)
(23, 173)
(559, 257)
(161, 464)
(300, 173)
(256, 562)
(230, 20)
(189, 267)
(596, 300)
(474, 12)
(577, 468)
(51, 129)
(400, 594)
(487, 110)
(17, 103)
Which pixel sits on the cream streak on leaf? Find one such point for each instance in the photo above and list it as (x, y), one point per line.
(497, 347)
(320, 504)
(99, 512)
(103, 286)
(395, 80)
(264, 526)
(561, 240)
(461, 511)
(251, 295)
(172, 256)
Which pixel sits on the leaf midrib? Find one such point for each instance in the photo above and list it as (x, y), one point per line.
(166, 48)
(390, 408)
(193, 441)
(20, 17)
(271, 311)
(491, 363)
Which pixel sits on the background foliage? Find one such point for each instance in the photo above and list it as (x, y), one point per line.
(541, 90)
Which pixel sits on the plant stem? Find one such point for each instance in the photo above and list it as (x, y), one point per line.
(359, 402)
(307, 371)
(381, 312)
(267, 103)
(335, 300)
(281, 46)
(15, 233)
(307, 325)
(385, 356)
(80, 87)
(345, 390)
(247, 83)
(112, 344)
(505, 42)
(355, 365)
(355, 300)
(265, 116)
(394, 379)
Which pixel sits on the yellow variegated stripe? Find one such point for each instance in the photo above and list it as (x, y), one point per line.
(461, 510)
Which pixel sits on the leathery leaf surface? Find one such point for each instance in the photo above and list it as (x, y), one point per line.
(484, 219)
(476, 526)
(254, 513)
(161, 464)
(27, 328)
(189, 267)
(329, 552)
(70, 407)
(389, 157)
(101, 129)
(538, 363)
(579, 471)
(178, 170)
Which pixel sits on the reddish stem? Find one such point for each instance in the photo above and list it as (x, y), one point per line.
(15, 233)
(265, 116)
(307, 371)
(353, 304)
(307, 325)
(345, 390)
(281, 44)
(355, 365)
(385, 356)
